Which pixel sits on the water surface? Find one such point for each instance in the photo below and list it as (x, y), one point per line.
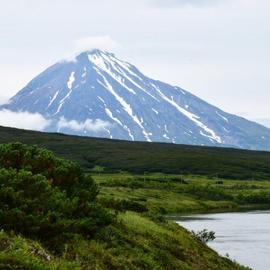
(244, 236)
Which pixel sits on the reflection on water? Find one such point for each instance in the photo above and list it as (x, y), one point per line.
(244, 236)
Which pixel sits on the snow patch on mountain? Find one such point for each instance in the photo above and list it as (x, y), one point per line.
(223, 117)
(71, 80)
(210, 133)
(53, 99)
(125, 105)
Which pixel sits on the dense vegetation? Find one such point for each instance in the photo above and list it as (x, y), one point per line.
(47, 197)
(176, 194)
(51, 219)
(140, 157)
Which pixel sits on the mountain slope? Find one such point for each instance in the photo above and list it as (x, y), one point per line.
(97, 94)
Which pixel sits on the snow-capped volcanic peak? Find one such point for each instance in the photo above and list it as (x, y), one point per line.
(101, 95)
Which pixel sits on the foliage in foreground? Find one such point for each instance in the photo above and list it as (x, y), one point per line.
(133, 243)
(47, 198)
(50, 220)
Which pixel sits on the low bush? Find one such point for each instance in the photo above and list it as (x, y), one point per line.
(209, 192)
(123, 205)
(260, 197)
(47, 198)
(205, 236)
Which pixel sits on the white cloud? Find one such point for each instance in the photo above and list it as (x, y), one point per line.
(23, 120)
(89, 125)
(96, 42)
(3, 100)
(197, 3)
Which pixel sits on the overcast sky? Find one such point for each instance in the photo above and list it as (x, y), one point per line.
(216, 49)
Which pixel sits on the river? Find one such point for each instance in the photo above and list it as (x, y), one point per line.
(244, 236)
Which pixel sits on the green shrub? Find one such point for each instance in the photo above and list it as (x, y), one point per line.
(261, 197)
(123, 205)
(45, 197)
(209, 192)
(205, 236)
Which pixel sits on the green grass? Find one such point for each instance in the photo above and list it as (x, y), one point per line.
(169, 194)
(140, 157)
(155, 239)
(17, 252)
(134, 243)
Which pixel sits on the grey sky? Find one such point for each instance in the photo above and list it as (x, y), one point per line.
(218, 50)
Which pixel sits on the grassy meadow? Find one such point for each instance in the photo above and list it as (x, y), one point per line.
(178, 194)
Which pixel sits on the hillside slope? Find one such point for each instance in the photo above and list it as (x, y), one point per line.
(142, 157)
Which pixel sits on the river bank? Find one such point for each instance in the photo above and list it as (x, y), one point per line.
(243, 236)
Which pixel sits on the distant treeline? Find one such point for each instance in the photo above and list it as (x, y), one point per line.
(142, 157)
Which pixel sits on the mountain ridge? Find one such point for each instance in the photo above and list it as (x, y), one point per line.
(97, 94)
